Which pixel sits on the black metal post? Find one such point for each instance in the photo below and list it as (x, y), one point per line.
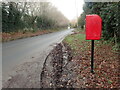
(92, 56)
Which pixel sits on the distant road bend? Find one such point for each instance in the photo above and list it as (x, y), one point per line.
(19, 51)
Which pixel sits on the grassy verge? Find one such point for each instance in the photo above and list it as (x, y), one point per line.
(106, 62)
(23, 34)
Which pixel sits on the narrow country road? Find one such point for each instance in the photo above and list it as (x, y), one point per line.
(19, 51)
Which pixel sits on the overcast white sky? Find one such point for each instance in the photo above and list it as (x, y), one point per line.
(70, 8)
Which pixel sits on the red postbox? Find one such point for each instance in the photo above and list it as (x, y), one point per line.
(93, 32)
(93, 27)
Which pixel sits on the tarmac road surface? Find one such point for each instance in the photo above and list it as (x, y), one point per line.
(19, 51)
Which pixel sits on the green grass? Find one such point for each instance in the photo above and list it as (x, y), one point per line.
(74, 40)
